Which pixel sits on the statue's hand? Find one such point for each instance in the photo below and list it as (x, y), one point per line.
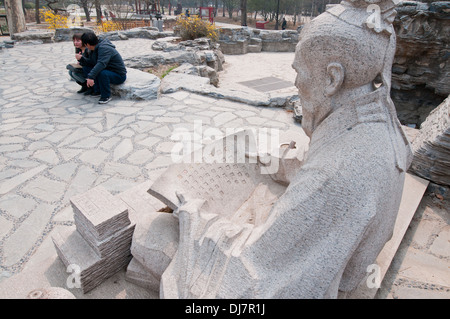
(188, 206)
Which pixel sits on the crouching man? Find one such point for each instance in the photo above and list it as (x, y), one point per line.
(106, 66)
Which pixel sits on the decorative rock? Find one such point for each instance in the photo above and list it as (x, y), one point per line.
(174, 82)
(155, 59)
(203, 71)
(432, 147)
(155, 256)
(421, 68)
(138, 86)
(44, 36)
(65, 34)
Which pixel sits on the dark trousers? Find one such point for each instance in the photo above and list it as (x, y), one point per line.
(104, 80)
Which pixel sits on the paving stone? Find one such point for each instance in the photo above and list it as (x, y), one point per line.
(140, 157)
(17, 205)
(39, 145)
(68, 153)
(77, 135)
(121, 170)
(12, 140)
(149, 141)
(126, 133)
(10, 148)
(10, 184)
(57, 135)
(110, 143)
(24, 163)
(441, 244)
(163, 131)
(94, 157)
(5, 226)
(87, 143)
(27, 234)
(223, 118)
(125, 147)
(123, 110)
(83, 181)
(47, 155)
(167, 119)
(64, 171)
(19, 155)
(45, 189)
(417, 263)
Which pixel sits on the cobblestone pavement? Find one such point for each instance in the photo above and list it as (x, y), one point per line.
(55, 143)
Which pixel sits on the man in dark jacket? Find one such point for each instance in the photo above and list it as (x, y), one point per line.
(104, 67)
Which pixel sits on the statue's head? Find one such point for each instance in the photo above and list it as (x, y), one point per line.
(338, 57)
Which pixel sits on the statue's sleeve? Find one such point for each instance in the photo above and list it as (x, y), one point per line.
(306, 241)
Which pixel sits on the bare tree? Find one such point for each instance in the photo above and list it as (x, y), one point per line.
(16, 18)
(54, 6)
(98, 10)
(243, 12)
(36, 11)
(87, 12)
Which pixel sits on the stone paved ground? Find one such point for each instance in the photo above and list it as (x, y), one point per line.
(55, 144)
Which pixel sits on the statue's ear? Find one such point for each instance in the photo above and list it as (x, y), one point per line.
(336, 74)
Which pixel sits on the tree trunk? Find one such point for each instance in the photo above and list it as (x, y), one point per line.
(98, 11)
(36, 12)
(84, 4)
(277, 16)
(244, 13)
(16, 18)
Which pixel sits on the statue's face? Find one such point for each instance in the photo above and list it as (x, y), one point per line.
(311, 85)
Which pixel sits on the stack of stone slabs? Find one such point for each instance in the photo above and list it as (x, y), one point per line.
(100, 244)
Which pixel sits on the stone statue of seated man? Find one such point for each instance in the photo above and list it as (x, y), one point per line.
(316, 236)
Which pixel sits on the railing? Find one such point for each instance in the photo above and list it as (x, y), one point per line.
(130, 24)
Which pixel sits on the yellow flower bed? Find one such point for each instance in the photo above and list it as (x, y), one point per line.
(193, 27)
(55, 21)
(108, 26)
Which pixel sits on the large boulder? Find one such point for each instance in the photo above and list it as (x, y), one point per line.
(158, 58)
(138, 86)
(65, 34)
(420, 70)
(431, 146)
(38, 36)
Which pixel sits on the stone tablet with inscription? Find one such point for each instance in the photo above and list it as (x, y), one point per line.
(225, 184)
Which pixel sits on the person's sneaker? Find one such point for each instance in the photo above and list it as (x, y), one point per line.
(104, 100)
(83, 89)
(88, 92)
(95, 94)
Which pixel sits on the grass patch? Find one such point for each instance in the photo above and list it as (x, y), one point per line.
(162, 70)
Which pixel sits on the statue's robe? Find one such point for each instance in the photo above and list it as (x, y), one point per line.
(320, 235)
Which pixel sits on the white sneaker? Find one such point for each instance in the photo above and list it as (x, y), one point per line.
(104, 100)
